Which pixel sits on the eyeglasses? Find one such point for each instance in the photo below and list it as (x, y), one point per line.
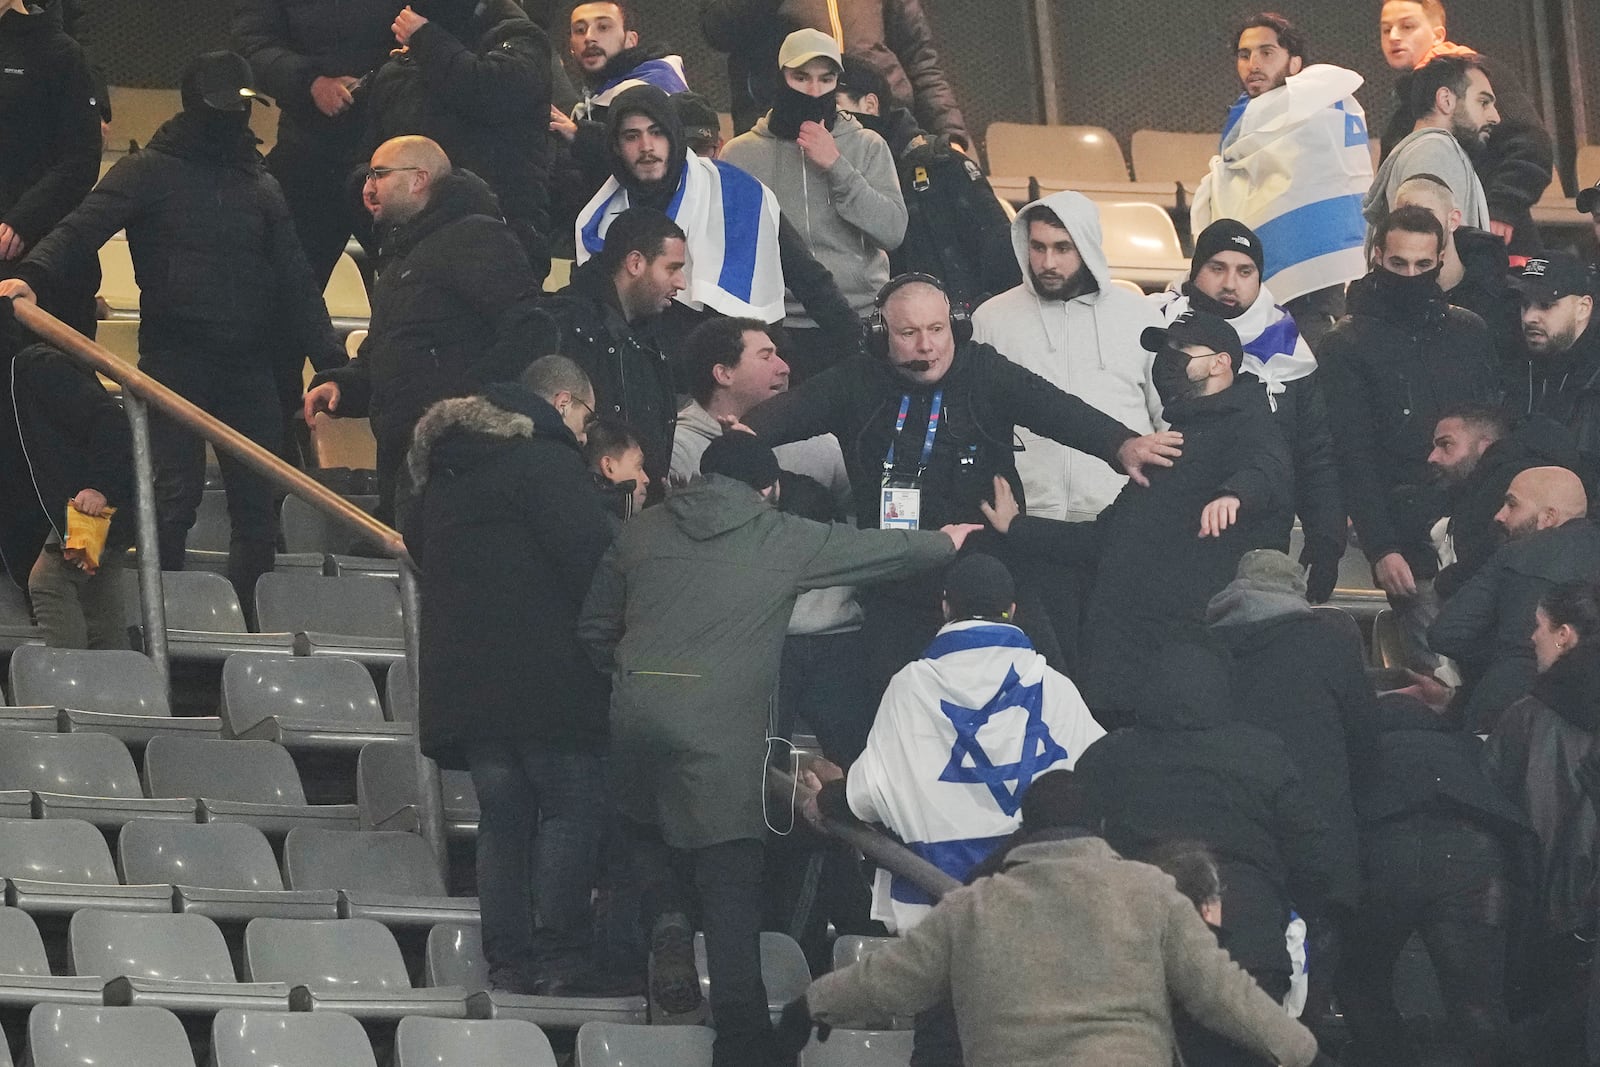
(379, 173)
(591, 418)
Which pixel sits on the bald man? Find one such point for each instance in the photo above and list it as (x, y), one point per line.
(1474, 264)
(451, 306)
(1485, 626)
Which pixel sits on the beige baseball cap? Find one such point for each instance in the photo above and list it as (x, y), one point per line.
(802, 46)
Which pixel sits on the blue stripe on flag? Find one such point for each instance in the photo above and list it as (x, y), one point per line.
(1235, 113)
(976, 637)
(1277, 339)
(591, 229)
(742, 198)
(1331, 225)
(955, 858)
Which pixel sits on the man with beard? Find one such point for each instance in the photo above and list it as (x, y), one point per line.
(1560, 376)
(1456, 112)
(1225, 280)
(1485, 626)
(1394, 365)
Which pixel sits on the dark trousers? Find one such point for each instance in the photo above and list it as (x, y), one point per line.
(937, 1041)
(727, 879)
(543, 816)
(316, 184)
(823, 683)
(246, 399)
(1445, 880)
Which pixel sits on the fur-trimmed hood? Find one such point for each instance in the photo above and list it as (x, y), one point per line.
(455, 433)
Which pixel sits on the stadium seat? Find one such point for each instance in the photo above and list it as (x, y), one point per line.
(322, 703)
(560, 275)
(343, 443)
(352, 342)
(454, 957)
(117, 285)
(177, 962)
(346, 294)
(783, 969)
(1588, 165)
(136, 114)
(386, 792)
(1164, 156)
(1555, 209)
(849, 949)
(420, 1042)
(252, 782)
(400, 693)
(25, 978)
(1388, 646)
(112, 692)
(621, 1045)
(860, 1048)
(390, 877)
(204, 621)
(280, 1039)
(348, 617)
(1083, 158)
(264, 124)
(1141, 243)
(306, 529)
(1132, 287)
(69, 1036)
(57, 866)
(224, 871)
(121, 336)
(82, 776)
(348, 965)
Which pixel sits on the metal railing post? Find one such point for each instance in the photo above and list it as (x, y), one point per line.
(154, 613)
(430, 798)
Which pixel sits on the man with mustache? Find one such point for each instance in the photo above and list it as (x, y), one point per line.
(1560, 376)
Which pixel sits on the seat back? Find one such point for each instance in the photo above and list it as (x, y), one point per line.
(1137, 232)
(400, 693)
(347, 606)
(114, 944)
(21, 947)
(1164, 156)
(55, 850)
(356, 956)
(252, 772)
(620, 1045)
(195, 600)
(305, 529)
(284, 1039)
(784, 969)
(120, 337)
(371, 861)
(860, 1048)
(455, 957)
(212, 529)
(113, 681)
(70, 1036)
(85, 765)
(346, 294)
(1061, 153)
(1388, 644)
(320, 689)
(424, 1042)
(386, 784)
(136, 114)
(213, 855)
(850, 949)
(343, 443)
(118, 287)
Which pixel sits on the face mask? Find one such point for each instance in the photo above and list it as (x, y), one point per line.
(791, 108)
(1402, 291)
(225, 126)
(875, 123)
(1169, 373)
(1199, 301)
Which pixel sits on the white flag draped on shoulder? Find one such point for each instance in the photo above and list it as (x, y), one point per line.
(731, 222)
(1294, 166)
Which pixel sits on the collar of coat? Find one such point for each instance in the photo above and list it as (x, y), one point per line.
(508, 412)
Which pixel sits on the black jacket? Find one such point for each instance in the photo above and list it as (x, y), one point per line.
(506, 527)
(631, 378)
(1485, 291)
(1389, 374)
(292, 43)
(985, 396)
(1567, 389)
(1154, 573)
(482, 91)
(1485, 626)
(1185, 771)
(1533, 754)
(450, 314)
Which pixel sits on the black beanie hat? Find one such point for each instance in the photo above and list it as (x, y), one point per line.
(979, 586)
(1226, 235)
(742, 457)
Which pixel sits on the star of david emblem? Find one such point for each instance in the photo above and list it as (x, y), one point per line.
(970, 764)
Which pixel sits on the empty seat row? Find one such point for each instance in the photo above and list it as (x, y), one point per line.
(605, 1044)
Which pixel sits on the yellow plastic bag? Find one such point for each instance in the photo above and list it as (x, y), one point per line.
(86, 537)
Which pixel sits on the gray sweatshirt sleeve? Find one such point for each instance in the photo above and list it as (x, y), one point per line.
(868, 197)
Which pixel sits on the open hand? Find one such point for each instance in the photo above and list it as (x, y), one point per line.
(1005, 507)
(562, 123)
(1218, 515)
(1154, 449)
(731, 422)
(324, 398)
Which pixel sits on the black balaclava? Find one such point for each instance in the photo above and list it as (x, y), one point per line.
(1169, 373)
(791, 108)
(655, 103)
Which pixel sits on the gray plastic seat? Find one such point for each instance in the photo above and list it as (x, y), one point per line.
(224, 871)
(420, 1042)
(177, 962)
(327, 704)
(386, 793)
(621, 1045)
(82, 776)
(783, 969)
(400, 693)
(343, 616)
(850, 949)
(860, 1048)
(204, 621)
(306, 529)
(25, 977)
(57, 866)
(454, 957)
(253, 782)
(348, 965)
(37, 718)
(111, 692)
(390, 877)
(288, 1039)
(67, 1036)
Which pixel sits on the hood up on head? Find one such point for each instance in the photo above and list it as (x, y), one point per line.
(1082, 220)
(714, 505)
(655, 103)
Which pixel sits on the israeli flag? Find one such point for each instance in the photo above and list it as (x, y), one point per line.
(731, 222)
(1294, 165)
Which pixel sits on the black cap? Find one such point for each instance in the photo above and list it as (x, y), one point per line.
(696, 114)
(742, 457)
(1195, 328)
(1226, 235)
(1589, 199)
(979, 586)
(1553, 276)
(219, 80)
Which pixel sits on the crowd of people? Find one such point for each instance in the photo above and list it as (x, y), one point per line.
(815, 440)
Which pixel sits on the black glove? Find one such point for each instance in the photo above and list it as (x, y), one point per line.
(793, 1032)
(1323, 559)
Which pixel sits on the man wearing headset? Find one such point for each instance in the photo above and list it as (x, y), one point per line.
(926, 427)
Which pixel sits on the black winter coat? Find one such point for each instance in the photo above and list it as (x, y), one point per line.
(1533, 754)
(507, 529)
(482, 91)
(1301, 414)
(450, 314)
(292, 43)
(1390, 374)
(985, 397)
(1185, 771)
(1485, 291)
(1567, 389)
(1485, 626)
(632, 379)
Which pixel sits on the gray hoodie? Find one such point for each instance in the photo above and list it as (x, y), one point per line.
(1428, 151)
